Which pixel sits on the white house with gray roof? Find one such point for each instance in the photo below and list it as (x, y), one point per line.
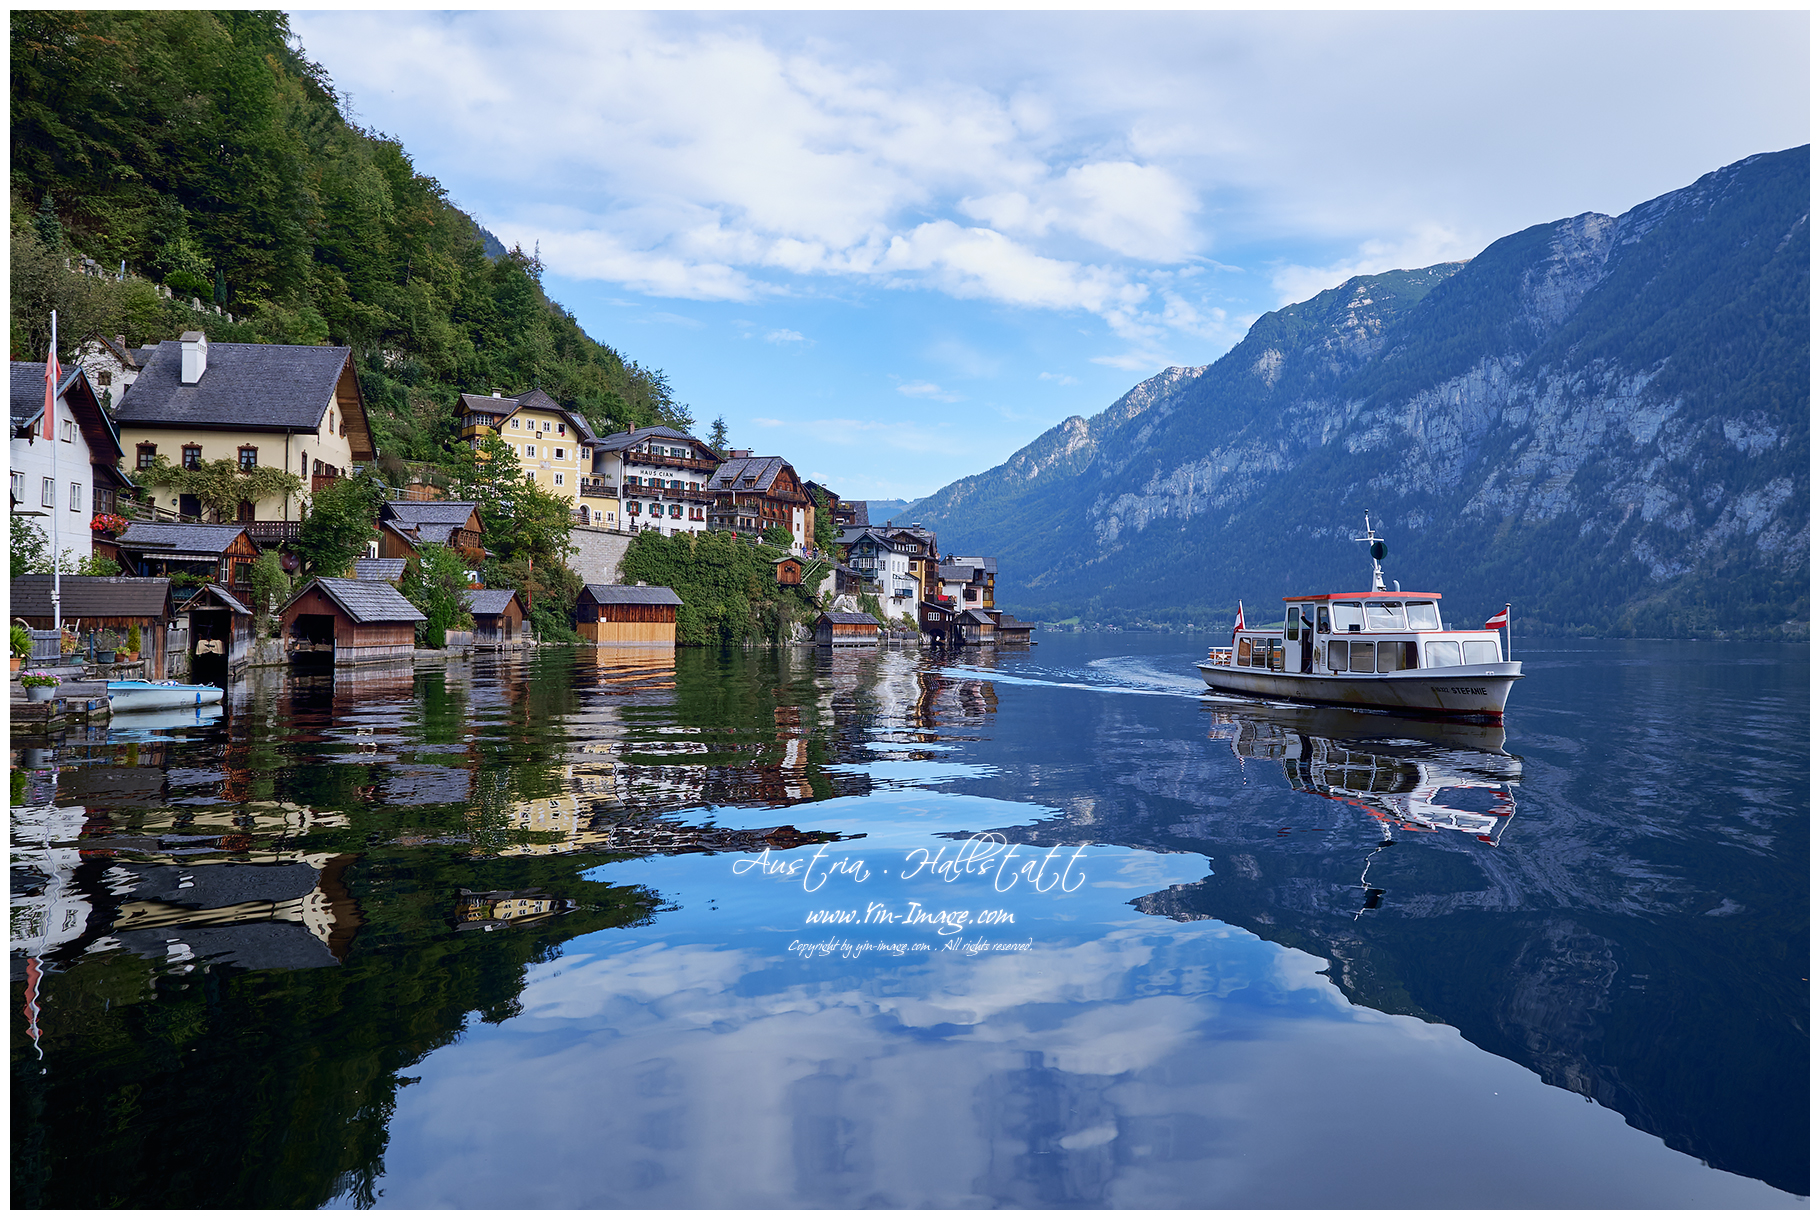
(286, 406)
(63, 472)
(662, 477)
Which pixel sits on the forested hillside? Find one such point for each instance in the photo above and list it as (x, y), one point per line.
(1602, 420)
(209, 155)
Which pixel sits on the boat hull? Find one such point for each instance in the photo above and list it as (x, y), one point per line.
(151, 696)
(1475, 692)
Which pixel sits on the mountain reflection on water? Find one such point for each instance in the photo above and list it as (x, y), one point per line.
(284, 956)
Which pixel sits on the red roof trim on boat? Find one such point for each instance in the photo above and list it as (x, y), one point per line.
(1391, 595)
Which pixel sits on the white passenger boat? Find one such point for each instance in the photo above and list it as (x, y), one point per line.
(139, 696)
(1384, 648)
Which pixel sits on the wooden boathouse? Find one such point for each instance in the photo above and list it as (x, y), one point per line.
(627, 614)
(221, 635)
(348, 622)
(102, 603)
(498, 616)
(841, 627)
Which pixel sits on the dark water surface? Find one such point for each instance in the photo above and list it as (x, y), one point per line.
(1051, 928)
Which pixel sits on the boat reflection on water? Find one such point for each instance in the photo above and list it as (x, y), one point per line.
(1410, 775)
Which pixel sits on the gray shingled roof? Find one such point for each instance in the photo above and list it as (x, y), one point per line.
(379, 569)
(985, 563)
(487, 601)
(255, 386)
(620, 441)
(734, 472)
(980, 616)
(955, 571)
(28, 405)
(847, 619)
(633, 595)
(440, 512)
(93, 596)
(225, 598)
(535, 400)
(157, 536)
(366, 601)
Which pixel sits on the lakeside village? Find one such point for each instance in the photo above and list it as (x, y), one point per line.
(197, 500)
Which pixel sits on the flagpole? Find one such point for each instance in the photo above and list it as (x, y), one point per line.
(50, 409)
(1509, 633)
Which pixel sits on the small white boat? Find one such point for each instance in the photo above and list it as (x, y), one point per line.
(139, 696)
(1379, 649)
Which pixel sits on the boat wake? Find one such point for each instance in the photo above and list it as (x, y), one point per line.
(1109, 675)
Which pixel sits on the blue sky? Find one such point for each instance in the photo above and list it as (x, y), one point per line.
(896, 247)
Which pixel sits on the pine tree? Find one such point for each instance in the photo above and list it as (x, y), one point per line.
(50, 229)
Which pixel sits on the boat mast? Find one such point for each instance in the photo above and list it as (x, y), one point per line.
(1378, 551)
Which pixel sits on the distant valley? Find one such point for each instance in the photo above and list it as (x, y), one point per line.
(1601, 420)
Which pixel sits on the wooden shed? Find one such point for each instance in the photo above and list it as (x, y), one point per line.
(1011, 629)
(627, 614)
(222, 553)
(789, 571)
(498, 616)
(840, 627)
(102, 603)
(348, 622)
(221, 635)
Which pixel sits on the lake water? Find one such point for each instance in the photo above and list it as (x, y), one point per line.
(1045, 928)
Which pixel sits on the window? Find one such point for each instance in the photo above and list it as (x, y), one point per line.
(1396, 654)
(104, 378)
(559, 453)
(1424, 617)
(75, 497)
(597, 516)
(148, 453)
(515, 422)
(633, 508)
(1321, 624)
(1348, 616)
(1481, 652)
(1384, 616)
(1364, 657)
(559, 478)
(249, 457)
(1336, 656)
(18, 485)
(48, 494)
(192, 457)
(587, 454)
(1244, 657)
(562, 430)
(69, 430)
(1439, 653)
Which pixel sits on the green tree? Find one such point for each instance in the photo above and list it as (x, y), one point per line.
(778, 535)
(221, 486)
(717, 434)
(28, 549)
(46, 224)
(434, 581)
(340, 524)
(827, 537)
(271, 585)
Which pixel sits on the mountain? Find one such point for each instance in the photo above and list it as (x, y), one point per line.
(1601, 420)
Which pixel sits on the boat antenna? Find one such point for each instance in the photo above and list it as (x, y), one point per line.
(1378, 551)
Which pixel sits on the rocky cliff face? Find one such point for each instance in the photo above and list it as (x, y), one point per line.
(1602, 420)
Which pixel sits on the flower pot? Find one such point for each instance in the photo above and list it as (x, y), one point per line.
(40, 694)
(104, 656)
(15, 661)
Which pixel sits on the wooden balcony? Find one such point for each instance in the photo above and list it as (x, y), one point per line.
(320, 481)
(602, 490)
(267, 534)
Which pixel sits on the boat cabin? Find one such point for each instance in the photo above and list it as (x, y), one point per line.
(1379, 632)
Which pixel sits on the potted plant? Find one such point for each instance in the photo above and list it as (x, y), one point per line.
(107, 643)
(22, 646)
(39, 686)
(70, 643)
(132, 642)
(111, 524)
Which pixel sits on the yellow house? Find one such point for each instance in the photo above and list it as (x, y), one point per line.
(555, 447)
(284, 406)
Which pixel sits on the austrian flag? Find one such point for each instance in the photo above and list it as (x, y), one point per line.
(1498, 619)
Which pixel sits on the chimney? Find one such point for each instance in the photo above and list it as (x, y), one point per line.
(120, 342)
(739, 453)
(497, 394)
(195, 356)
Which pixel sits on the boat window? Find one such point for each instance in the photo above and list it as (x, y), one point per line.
(1320, 619)
(1364, 657)
(1423, 616)
(1396, 654)
(1292, 624)
(1276, 656)
(1244, 650)
(1384, 616)
(1336, 656)
(1482, 652)
(1439, 653)
(1347, 616)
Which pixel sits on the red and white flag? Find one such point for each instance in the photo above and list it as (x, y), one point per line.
(1239, 624)
(1499, 619)
(52, 375)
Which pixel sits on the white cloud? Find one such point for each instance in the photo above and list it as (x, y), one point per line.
(784, 336)
(926, 389)
(1058, 378)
